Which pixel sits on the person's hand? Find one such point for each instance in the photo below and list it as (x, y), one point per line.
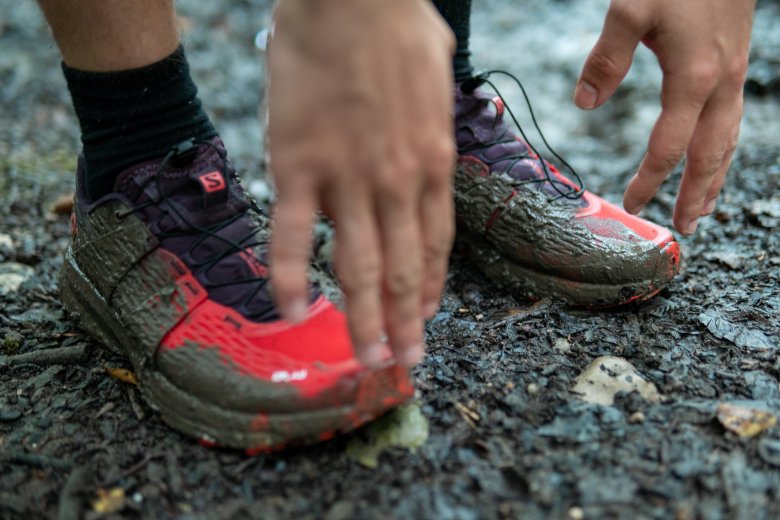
(702, 47)
(360, 126)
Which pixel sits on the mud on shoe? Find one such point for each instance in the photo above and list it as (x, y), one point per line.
(170, 270)
(532, 230)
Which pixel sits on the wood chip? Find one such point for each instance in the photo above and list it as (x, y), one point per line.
(122, 374)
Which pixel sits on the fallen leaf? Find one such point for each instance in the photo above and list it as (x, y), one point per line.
(608, 375)
(109, 501)
(745, 422)
(122, 374)
(404, 427)
(738, 334)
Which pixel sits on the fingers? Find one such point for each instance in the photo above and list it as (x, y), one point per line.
(403, 268)
(359, 264)
(708, 158)
(438, 226)
(290, 250)
(609, 61)
(668, 141)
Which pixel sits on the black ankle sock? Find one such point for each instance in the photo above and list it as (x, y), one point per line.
(458, 16)
(130, 116)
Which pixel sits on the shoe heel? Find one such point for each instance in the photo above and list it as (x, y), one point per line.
(79, 296)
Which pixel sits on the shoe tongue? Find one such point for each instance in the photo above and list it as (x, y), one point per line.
(200, 193)
(482, 132)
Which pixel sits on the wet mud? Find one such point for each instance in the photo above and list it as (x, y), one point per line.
(507, 435)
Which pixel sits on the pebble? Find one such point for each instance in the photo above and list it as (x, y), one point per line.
(12, 276)
(608, 375)
(261, 190)
(6, 246)
(9, 414)
(636, 418)
(532, 389)
(575, 513)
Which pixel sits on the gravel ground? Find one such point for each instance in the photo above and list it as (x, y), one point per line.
(507, 435)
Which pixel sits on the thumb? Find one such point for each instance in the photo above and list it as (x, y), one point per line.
(610, 59)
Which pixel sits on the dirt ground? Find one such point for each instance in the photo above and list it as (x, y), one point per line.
(507, 436)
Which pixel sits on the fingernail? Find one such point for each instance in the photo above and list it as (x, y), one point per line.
(690, 229)
(373, 355)
(410, 356)
(585, 95)
(430, 309)
(636, 209)
(296, 311)
(709, 207)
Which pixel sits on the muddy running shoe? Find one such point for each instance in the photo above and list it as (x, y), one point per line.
(170, 271)
(535, 232)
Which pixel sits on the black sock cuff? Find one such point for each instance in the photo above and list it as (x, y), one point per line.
(164, 71)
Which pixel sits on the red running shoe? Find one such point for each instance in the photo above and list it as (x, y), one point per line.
(535, 232)
(170, 270)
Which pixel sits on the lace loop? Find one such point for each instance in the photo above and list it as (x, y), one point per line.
(573, 193)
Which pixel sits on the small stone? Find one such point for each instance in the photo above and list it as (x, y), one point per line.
(6, 247)
(9, 414)
(608, 375)
(575, 513)
(562, 345)
(12, 276)
(636, 418)
(532, 389)
(261, 190)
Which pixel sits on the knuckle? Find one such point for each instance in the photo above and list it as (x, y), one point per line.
(628, 14)
(663, 160)
(702, 79)
(442, 160)
(402, 282)
(705, 165)
(361, 276)
(603, 66)
(736, 71)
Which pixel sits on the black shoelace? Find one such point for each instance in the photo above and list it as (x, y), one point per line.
(568, 191)
(231, 247)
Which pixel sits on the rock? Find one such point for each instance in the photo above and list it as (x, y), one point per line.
(6, 247)
(743, 420)
(261, 190)
(766, 212)
(636, 418)
(608, 375)
(12, 276)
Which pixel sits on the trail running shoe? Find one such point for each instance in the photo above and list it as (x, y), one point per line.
(170, 271)
(535, 232)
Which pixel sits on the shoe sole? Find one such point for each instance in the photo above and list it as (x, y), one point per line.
(528, 283)
(378, 391)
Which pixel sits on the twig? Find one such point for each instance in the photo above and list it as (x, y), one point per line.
(131, 470)
(49, 356)
(36, 461)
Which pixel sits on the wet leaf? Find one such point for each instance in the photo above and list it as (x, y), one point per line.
(404, 427)
(738, 334)
(109, 501)
(608, 375)
(744, 421)
(122, 374)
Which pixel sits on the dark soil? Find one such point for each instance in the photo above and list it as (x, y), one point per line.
(508, 438)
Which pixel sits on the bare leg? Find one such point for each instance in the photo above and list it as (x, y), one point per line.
(110, 35)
